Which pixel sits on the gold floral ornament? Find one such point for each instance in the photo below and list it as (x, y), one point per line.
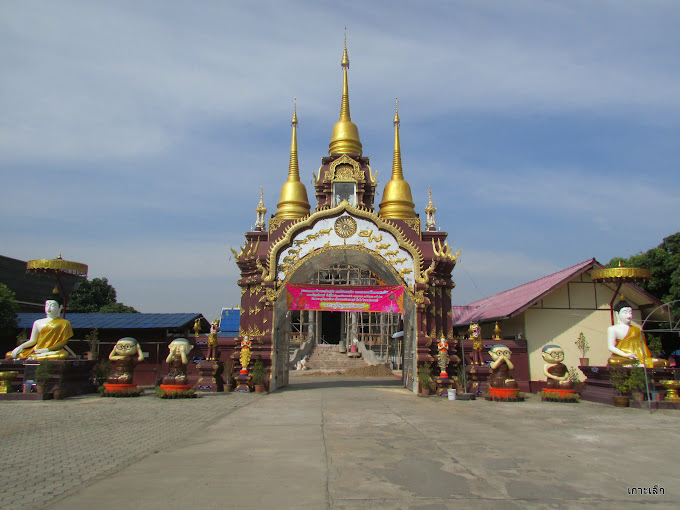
(345, 226)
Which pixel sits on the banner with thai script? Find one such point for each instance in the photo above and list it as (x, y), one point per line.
(345, 298)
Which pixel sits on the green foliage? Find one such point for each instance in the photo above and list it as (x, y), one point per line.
(93, 339)
(582, 344)
(117, 308)
(425, 374)
(574, 376)
(655, 346)
(43, 372)
(627, 378)
(636, 379)
(664, 263)
(101, 371)
(259, 372)
(91, 296)
(8, 310)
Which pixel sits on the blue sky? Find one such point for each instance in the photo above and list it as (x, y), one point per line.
(135, 136)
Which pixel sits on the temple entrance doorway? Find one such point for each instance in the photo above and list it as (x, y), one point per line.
(387, 335)
(331, 327)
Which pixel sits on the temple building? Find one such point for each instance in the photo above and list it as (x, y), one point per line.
(341, 269)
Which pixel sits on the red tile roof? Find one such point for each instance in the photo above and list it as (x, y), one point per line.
(514, 301)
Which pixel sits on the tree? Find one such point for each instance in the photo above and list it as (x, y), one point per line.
(117, 308)
(664, 263)
(91, 295)
(8, 316)
(8, 309)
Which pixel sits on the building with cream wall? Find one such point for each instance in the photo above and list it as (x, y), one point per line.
(554, 310)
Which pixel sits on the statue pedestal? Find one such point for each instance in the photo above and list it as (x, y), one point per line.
(121, 390)
(242, 383)
(176, 387)
(504, 395)
(443, 385)
(210, 376)
(69, 377)
(558, 395)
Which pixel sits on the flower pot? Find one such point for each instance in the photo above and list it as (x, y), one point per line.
(584, 362)
(259, 388)
(621, 400)
(40, 388)
(638, 396)
(425, 392)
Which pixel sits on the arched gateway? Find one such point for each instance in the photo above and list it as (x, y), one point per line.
(343, 256)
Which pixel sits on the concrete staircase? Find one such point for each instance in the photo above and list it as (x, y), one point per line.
(327, 357)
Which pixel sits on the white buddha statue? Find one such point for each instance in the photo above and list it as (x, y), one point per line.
(48, 336)
(627, 343)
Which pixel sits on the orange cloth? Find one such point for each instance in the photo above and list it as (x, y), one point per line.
(635, 342)
(55, 332)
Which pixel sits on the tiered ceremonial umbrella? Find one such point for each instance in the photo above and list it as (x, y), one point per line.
(57, 267)
(620, 275)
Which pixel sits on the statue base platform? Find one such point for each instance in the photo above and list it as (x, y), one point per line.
(210, 376)
(176, 387)
(69, 377)
(598, 387)
(505, 395)
(176, 391)
(443, 385)
(559, 395)
(242, 383)
(121, 390)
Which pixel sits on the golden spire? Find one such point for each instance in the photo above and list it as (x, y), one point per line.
(397, 200)
(293, 203)
(345, 136)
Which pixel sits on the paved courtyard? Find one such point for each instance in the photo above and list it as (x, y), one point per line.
(333, 443)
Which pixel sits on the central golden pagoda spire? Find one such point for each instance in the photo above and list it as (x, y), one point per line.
(345, 136)
(397, 200)
(293, 203)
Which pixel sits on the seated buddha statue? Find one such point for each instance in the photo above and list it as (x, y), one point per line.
(48, 336)
(627, 343)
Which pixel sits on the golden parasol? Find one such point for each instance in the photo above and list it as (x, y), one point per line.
(57, 267)
(620, 275)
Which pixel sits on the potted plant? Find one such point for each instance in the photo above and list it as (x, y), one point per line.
(101, 371)
(636, 383)
(42, 374)
(93, 340)
(582, 345)
(620, 379)
(259, 374)
(575, 379)
(424, 378)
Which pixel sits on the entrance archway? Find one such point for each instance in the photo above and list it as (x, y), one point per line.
(308, 272)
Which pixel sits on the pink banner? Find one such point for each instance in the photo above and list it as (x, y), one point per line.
(337, 298)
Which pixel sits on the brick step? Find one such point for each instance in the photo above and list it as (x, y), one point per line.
(327, 357)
